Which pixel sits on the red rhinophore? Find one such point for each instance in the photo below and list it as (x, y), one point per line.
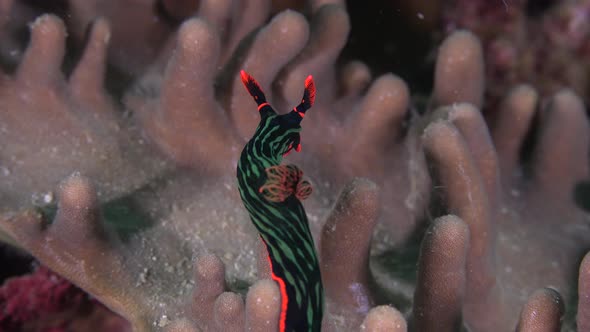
(245, 76)
(298, 147)
(250, 83)
(310, 88)
(284, 296)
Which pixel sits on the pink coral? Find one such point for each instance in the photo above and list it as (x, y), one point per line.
(546, 47)
(34, 297)
(44, 301)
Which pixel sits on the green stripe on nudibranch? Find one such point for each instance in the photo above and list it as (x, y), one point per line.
(271, 194)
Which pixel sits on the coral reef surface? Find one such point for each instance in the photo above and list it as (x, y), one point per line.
(427, 219)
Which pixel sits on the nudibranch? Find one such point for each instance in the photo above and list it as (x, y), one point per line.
(272, 194)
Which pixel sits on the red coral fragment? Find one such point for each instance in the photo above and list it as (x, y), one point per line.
(41, 296)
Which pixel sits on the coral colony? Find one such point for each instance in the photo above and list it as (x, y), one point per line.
(122, 122)
(546, 42)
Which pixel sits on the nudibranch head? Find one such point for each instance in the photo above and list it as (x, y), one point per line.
(286, 127)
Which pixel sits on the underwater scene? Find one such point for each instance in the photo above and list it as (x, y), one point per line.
(294, 166)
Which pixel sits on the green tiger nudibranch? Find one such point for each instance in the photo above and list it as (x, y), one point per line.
(271, 193)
